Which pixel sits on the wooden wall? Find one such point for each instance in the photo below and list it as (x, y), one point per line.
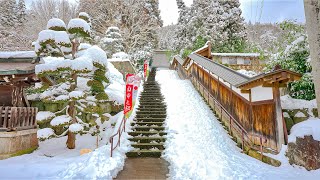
(6, 95)
(257, 118)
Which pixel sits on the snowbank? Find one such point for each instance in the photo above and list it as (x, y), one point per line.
(288, 102)
(305, 128)
(116, 88)
(197, 147)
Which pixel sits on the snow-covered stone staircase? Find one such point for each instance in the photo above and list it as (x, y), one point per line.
(148, 135)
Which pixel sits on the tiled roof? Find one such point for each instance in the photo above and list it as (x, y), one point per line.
(222, 71)
(179, 59)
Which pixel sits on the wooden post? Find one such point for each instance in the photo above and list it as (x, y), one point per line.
(278, 116)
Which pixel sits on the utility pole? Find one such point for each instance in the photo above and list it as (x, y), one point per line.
(311, 8)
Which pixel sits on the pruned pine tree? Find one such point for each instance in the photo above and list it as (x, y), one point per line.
(112, 42)
(59, 46)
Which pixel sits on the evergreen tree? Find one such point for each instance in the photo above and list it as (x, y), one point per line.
(7, 13)
(219, 21)
(59, 45)
(113, 41)
(21, 12)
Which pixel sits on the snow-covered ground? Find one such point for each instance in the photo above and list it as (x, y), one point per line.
(197, 147)
(52, 160)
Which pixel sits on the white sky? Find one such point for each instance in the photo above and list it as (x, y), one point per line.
(253, 10)
(169, 11)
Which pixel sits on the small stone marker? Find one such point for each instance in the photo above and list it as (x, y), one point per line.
(85, 151)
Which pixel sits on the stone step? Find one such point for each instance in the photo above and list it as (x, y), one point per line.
(150, 119)
(147, 128)
(152, 108)
(139, 116)
(151, 112)
(147, 133)
(150, 123)
(151, 103)
(159, 146)
(143, 98)
(148, 139)
(144, 153)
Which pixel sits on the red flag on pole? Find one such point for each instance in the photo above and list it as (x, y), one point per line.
(128, 99)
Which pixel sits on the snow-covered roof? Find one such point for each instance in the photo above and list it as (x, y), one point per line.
(17, 54)
(179, 59)
(237, 54)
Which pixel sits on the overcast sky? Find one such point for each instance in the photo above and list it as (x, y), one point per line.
(254, 10)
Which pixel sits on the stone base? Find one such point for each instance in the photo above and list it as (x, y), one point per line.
(17, 142)
(305, 152)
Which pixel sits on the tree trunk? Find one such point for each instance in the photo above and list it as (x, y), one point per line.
(313, 24)
(71, 142)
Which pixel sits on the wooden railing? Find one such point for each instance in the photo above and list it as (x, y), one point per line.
(17, 118)
(122, 128)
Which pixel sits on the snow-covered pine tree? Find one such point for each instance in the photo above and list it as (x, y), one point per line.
(231, 26)
(219, 21)
(59, 45)
(183, 26)
(7, 10)
(21, 12)
(113, 41)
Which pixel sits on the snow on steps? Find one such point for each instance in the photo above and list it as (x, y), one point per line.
(148, 134)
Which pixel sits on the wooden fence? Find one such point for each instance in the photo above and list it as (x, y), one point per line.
(17, 118)
(256, 118)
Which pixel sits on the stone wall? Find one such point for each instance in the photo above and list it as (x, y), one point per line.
(124, 67)
(304, 152)
(17, 142)
(294, 116)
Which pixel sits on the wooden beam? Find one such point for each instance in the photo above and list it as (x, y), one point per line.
(245, 91)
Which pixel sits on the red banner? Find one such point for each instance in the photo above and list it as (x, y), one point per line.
(145, 68)
(128, 99)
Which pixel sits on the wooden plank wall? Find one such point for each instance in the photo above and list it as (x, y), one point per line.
(257, 118)
(17, 118)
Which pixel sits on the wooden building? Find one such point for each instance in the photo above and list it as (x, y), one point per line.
(250, 107)
(18, 127)
(247, 61)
